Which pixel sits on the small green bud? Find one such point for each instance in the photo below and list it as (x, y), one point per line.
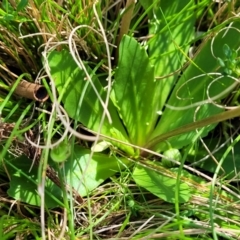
(61, 152)
(172, 153)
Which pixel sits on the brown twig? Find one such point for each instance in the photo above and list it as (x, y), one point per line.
(31, 91)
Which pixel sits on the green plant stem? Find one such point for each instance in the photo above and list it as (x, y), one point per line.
(15, 131)
(66, 202)
(12, 91)
(4, 86)
(220, 117)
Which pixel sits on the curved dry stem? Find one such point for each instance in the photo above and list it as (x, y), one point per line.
(61, 139)
(210, 99)
(224, 29)
(79, 62)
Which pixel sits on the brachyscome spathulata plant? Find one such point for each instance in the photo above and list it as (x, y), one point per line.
(138, 95)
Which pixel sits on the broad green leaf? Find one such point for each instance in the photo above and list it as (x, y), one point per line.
(70, 83)
(85, 173)
(187, 92)
(160, 185)
(24, 183)
(136, 91)
(171, 26)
